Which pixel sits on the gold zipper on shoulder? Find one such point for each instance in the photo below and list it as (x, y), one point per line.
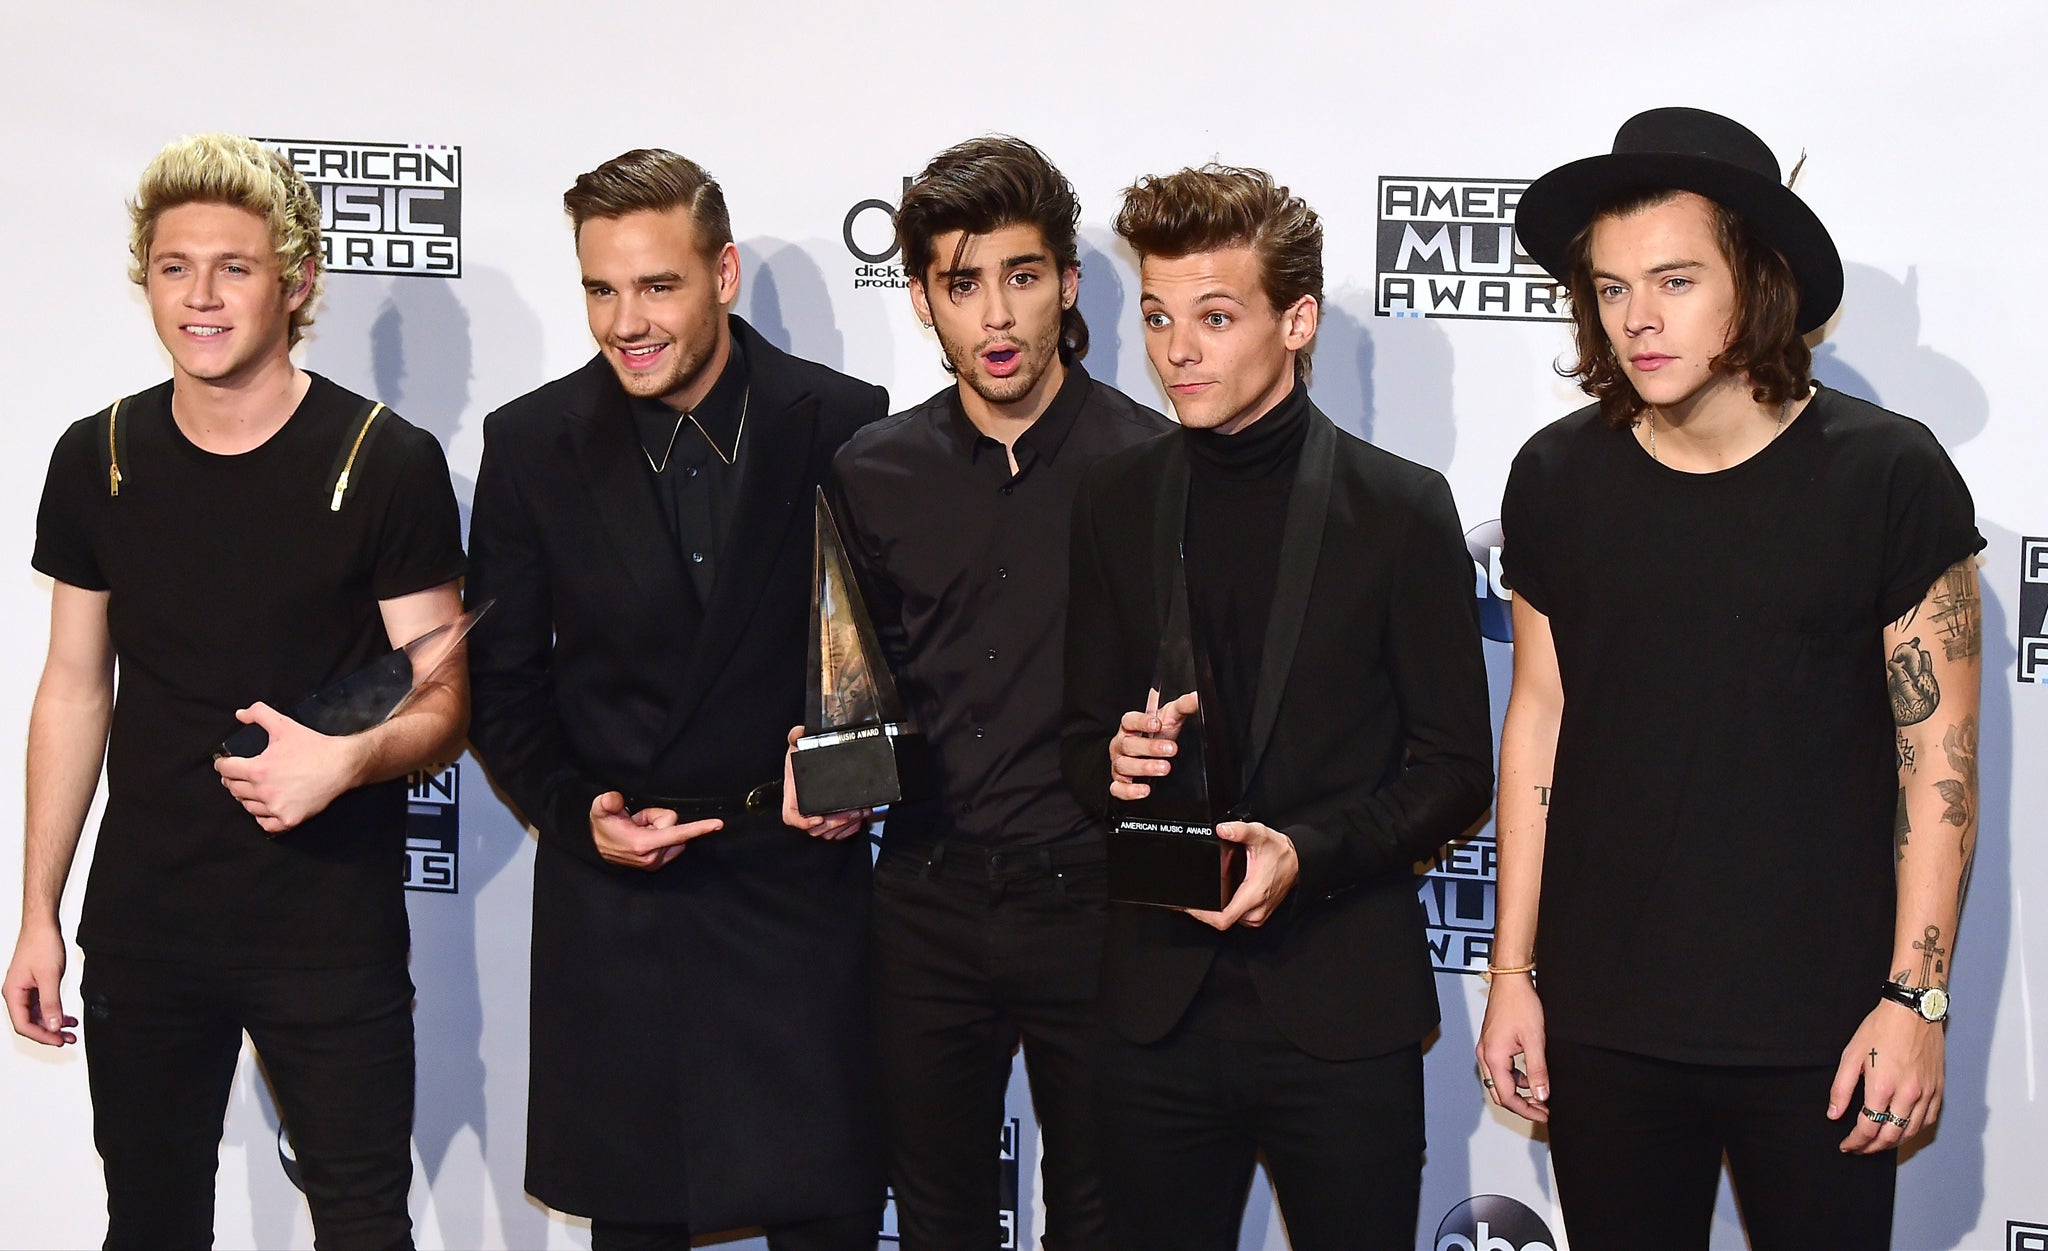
(113, 456)
(341, 483)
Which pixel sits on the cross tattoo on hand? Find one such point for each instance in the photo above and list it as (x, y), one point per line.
(1873, 1057)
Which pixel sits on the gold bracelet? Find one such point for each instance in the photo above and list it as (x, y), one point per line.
(1493, 970)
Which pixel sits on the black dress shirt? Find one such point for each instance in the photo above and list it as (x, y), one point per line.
(964, 568)
(696, 486)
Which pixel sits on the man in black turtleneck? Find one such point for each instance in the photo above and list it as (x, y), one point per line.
(1329, 586)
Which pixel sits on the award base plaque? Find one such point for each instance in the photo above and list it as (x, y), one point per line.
(1172, 864)
(857, 768)
(858, 751)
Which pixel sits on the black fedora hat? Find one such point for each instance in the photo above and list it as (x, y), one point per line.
(1687, 150)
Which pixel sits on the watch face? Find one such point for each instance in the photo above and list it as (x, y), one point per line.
(1933, 1003)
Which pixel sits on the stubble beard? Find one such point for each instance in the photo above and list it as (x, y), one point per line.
(1038, 356)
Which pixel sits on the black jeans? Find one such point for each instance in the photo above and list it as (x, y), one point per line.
(161, 1043)
(1637, 1143)
(838, 1233)
(974, 951)
(1184, 1118)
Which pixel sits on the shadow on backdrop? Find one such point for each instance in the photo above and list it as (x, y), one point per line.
(783, 295)
(1875, 353)
(1101, 302)
(421, 361)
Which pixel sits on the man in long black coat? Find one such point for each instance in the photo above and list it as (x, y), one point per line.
(699, 1057)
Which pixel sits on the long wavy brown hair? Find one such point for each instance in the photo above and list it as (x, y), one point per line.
(1764, 345)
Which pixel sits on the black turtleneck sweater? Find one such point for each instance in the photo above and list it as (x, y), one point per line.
(1238, 486)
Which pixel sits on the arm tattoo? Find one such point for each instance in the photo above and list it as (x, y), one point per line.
(1959, 744)
(1957, 614)
(1904, 977)
(1931, 953)
(1906, 754)
(1910, 673)
(1902, 826)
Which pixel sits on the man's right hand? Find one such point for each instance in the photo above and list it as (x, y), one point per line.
(1514, 1027)
(647, 839)
(1140, 747)
(33, 987)
(831, 826)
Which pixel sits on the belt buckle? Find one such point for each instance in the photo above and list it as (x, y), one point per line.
(763, 797)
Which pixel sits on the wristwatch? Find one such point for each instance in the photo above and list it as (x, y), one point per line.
(1931, 1002)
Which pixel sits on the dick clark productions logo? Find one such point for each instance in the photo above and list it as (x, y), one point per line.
(869, 233)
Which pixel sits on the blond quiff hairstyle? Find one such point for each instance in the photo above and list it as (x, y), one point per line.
(220, 168)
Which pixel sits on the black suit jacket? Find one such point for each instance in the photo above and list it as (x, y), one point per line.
(1370, 742)
(698, 1046)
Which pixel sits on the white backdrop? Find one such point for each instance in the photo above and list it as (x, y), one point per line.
(1921, 124)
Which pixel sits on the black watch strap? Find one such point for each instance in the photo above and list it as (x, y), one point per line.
(1930, 1003)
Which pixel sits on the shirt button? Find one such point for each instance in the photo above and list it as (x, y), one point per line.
(1009, 490)
(980, 732)
(696, 558)
(1002, 571)
(966, 808)
(991, 653)
(689, 471)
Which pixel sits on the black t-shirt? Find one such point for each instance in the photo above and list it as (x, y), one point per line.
(1718, 875)
(232, 580)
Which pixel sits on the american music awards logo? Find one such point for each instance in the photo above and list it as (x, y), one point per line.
(1493, 1223)
(2033, 619)
(1447, 248)
(385, 208)
(1006, 1191)
(433, 830)
(869, 233)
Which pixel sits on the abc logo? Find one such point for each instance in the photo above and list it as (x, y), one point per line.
(1493, 1223)
(1483, 542)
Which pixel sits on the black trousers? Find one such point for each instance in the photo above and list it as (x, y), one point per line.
(1637, 1143)
(1183, 1120)
(974, 951)
(838, 1233)
(161, 1043)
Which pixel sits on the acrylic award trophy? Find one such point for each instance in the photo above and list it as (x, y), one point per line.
(371, 695)
(1163, 849)
(857, 750)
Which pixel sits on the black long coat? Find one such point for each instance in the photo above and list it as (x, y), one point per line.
(699, 1033)
(1370, 744)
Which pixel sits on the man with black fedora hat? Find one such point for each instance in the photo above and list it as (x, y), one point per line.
(1739, 765)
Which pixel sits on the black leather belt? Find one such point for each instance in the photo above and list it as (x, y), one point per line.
(767, 797)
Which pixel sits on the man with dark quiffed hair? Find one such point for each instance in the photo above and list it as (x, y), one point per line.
(988, 892)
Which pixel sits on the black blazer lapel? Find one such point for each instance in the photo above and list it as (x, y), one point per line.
(782, 424)
(1301, 547)
(608, 454)
(1169, 528)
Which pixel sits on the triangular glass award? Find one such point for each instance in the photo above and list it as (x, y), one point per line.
(856, 745)
(1163, 849)
(372, 694)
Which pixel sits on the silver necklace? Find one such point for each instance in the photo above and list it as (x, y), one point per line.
(746, 398)
(1784, 411)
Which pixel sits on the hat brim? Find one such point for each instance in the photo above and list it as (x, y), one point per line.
(1555, 207)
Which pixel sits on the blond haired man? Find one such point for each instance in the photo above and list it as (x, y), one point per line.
(236, 537)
